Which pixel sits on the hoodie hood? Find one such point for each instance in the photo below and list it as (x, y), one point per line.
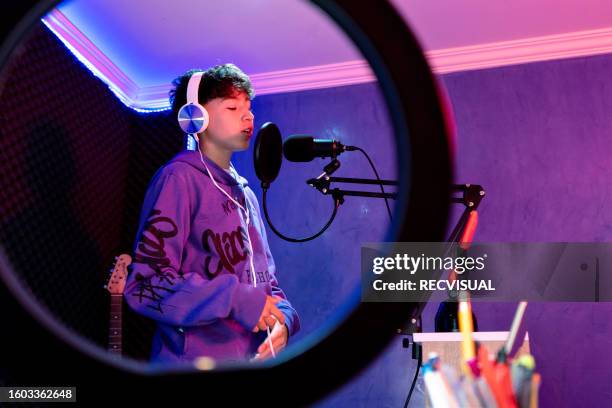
(221, 176)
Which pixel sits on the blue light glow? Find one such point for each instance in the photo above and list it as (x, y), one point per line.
(142, 106)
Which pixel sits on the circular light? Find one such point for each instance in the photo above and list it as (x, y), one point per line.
(302, 375)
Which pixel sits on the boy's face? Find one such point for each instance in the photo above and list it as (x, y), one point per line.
(231, 122)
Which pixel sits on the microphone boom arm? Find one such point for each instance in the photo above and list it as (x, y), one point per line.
(323, 185)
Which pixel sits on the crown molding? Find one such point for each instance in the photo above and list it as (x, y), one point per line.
(481, 56)
(523, 51)
(92, 57)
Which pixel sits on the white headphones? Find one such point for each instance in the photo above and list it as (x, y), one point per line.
(192, 117)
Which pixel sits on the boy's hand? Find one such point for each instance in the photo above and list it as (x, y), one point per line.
(279, 336)
(270, 314)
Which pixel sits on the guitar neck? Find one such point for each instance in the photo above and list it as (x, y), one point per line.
(114, 335)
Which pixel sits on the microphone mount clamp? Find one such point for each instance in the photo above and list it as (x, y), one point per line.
(323, 184)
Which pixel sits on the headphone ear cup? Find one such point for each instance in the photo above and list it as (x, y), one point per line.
(193, 118)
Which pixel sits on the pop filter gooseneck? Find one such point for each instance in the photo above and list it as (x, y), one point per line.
(267, 158)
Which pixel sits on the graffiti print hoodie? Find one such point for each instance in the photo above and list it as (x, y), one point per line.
(190, 270)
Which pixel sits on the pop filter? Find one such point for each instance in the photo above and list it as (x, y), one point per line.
(268, 153)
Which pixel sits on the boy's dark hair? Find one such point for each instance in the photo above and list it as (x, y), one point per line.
(220, 81)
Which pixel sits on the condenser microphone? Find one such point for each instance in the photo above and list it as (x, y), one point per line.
(303, 148)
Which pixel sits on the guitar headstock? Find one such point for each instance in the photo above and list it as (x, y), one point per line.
(116, 283)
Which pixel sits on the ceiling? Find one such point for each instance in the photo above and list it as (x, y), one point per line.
(150, 42)
(442, 24)
(155, 40)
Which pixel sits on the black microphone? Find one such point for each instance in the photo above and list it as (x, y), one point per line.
(303, 148)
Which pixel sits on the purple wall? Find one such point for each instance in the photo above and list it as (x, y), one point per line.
(538, 138)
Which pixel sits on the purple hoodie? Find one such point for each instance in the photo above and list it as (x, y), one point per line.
(191, 268)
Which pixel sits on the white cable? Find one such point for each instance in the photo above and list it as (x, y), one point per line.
(247, 220)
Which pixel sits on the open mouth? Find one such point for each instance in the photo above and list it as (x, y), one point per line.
(248, 132)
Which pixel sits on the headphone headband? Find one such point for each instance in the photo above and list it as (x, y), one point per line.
(193, 87)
